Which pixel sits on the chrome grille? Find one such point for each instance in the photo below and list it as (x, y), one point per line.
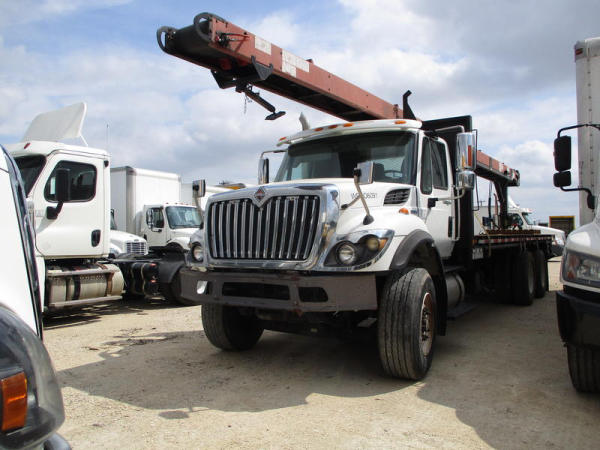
(283, 228)
(136, 247)
(396, 197)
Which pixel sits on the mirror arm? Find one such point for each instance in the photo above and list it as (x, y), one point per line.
(52, 212)
(591, 199)
(368, 218)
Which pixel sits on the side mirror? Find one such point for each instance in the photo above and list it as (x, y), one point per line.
(465, 179)
(62, 193)
(466, 151)
(62, 185)
(263, 171)
(562, 154)
(363, 173)
(562, 179)
(198, 188)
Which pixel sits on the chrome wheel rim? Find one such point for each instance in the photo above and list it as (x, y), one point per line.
(427, 324)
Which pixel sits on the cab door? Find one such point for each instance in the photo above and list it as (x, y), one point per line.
(435, 182)
(79, 229)
(153, 226)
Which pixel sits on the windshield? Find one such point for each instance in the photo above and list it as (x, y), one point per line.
(30, 168)
(183, 217)
(392, 154)
(527, 218)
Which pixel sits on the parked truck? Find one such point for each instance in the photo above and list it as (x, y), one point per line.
(30, 401)
(68, 193)
(148, 203)
(367, 225)
(578, 304)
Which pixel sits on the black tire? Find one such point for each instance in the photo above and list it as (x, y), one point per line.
(172, 293)
(584, 368)
(541, 273)
(523, 279)
(407, 320)
(227, 329)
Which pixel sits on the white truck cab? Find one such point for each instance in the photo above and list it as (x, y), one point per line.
(578, 304)
(169, 224)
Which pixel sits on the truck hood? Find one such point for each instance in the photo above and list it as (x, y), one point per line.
(120, 237)
(547, 230)
(374, 193)
(585, 239)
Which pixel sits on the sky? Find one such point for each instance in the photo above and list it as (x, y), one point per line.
(508, 64)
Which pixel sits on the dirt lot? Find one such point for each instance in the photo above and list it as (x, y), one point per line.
(142, 375)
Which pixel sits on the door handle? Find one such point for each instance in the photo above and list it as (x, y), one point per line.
(95, 238)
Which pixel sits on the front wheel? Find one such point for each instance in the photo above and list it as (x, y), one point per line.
(228, 329)
(407, 321)
(172, 292)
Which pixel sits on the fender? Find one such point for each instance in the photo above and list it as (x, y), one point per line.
(418, 249)
(171, 260)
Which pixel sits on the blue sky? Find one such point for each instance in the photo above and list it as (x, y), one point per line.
(508, 64)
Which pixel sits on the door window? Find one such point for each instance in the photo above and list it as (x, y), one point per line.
(426, 176)
(155, 218)
(82, 182)
(438, 165)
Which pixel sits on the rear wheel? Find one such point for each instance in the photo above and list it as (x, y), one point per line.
(228, 329)
(541, 273)
(407, 320)
(584, 368)
(523, 279)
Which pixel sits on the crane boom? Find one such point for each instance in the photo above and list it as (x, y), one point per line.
(240, 59)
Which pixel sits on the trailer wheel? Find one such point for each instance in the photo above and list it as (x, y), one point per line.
(407, 321)
(523, 279)
(228, 329)
(584, 368)
(541, 273)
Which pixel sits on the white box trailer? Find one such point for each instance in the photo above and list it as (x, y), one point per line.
(132, 188)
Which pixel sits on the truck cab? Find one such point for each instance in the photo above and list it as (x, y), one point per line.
(169, 224)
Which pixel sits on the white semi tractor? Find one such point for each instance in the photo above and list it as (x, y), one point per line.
(367, 226)
(68, 194)
(578, 304)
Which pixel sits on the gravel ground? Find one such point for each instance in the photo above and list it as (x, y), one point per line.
(143, 375)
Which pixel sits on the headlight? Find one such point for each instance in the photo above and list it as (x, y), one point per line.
(198, 253)
(32, 407)
(581, 269)
(356, 249)
(347, 254)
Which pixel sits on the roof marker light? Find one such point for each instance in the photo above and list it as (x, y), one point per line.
(283, 138)
(346, 125)
(400, 122)
(26, 145)
(331, 127)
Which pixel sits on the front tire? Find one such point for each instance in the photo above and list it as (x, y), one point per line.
(523, 279)
(584, 368)
(541, 273)
(226, 328)
(407, 321)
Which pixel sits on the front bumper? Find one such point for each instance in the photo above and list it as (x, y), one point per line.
(578, 314)
(281, 291)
